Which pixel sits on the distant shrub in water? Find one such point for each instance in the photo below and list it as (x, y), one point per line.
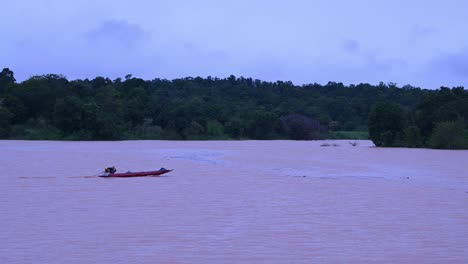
(449, 135)
(300, 127)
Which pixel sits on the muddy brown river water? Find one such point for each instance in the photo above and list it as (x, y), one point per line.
(232, 202)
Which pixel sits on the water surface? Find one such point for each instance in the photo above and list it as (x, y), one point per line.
(232, 202)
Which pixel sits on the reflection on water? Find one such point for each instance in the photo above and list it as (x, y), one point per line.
(232, 202)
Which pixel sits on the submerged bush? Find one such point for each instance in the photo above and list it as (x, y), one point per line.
(299, 127)
(413, 137)
(449, 135)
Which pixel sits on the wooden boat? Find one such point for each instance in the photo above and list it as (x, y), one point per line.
(136, 174)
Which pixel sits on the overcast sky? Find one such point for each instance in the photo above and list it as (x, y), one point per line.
(423, 43)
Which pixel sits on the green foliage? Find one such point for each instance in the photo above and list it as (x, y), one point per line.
(5, 122)
(299, 127)
(7, 79)
(413, 137)
(35, 129)
(439, 106)
(262, 125)
(68, 114)
(214, 129)
(236, 128)
(436, 122)
(195, 131)
(16, 107)
(147, 130)
(387, 124)
(449, 135)
(52, 107)
(357, 135)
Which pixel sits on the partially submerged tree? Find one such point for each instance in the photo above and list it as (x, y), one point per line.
(300, 127)
(449, 135)
(387, 124)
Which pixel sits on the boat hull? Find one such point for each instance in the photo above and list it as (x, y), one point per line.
(136, 174)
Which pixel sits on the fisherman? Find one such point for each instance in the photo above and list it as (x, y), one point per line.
(110, 170)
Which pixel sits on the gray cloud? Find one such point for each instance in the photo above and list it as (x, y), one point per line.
(369, 61)
(117, 32)
(458, 65)
(375, 63)
(344, 41)
(351, 46)
(453, 64)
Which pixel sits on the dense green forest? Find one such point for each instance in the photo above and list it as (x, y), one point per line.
(52, 107)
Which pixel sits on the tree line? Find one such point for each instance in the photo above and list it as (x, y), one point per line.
(438, 121)
(53, 107)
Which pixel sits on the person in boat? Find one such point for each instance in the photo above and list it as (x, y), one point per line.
(110, 170)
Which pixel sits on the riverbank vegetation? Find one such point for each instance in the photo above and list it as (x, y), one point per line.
(437, 121)
(53, 107)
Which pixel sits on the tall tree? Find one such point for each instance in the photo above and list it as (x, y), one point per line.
(7, 77)
(387, 124)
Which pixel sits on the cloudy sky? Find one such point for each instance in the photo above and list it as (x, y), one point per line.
(423, 43)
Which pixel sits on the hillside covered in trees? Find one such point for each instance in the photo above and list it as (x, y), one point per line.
(52, 107)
